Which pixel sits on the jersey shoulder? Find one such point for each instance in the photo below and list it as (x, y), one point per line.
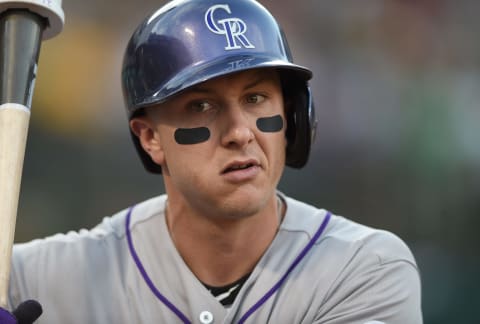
(344, 240)
(384, 245)
(374, 268)
(111, 227)
(356, 273)
(76, 256)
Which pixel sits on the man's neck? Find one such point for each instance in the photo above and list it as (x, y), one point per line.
(220, 252)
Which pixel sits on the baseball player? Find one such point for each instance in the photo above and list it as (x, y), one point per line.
(218, 108)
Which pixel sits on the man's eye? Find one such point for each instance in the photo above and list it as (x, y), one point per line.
(201, 106)
(255, 98)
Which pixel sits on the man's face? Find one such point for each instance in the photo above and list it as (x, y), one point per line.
(221, 144)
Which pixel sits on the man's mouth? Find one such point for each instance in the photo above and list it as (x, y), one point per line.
(239, 166)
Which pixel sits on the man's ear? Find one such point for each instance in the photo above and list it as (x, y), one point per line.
(148, 136)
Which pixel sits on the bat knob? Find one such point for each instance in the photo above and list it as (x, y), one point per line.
(49, 9)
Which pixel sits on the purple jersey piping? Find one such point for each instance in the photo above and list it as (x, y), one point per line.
(145, 276)
(252, 309)
(304, 252)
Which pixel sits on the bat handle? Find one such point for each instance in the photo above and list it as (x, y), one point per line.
(22, 26)
(20, 37)
(14, 120)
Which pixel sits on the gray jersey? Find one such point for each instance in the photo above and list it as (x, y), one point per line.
(320, 268)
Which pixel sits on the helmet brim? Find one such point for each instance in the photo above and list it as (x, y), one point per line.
(196, 74)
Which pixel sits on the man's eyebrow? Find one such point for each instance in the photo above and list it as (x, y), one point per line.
(199, 88)
(259, 78)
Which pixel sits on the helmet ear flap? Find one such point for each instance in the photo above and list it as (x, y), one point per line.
(301, 126)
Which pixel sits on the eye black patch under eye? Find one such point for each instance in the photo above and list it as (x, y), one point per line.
(186, 136)
(270, 124)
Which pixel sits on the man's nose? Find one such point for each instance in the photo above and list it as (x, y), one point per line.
(236, 127)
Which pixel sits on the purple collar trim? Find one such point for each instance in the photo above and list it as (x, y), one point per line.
(252, 309)
(297, 260)
(145, 276)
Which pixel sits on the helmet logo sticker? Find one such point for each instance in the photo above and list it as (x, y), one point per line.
(239, 64)
(233, 28)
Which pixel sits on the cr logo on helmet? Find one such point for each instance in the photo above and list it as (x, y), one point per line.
(233, 28)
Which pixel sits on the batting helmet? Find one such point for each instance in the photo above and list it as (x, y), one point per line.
(187, 42)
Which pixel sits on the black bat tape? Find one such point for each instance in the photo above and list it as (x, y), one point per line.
(28, 312)
(19, 50)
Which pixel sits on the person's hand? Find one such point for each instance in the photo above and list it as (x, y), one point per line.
(26, 313)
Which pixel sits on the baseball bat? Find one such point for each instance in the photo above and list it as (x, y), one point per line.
(23, 24)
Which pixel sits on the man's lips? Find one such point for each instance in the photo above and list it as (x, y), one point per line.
(240, 165)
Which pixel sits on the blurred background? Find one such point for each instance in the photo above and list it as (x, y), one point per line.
(397, 92)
